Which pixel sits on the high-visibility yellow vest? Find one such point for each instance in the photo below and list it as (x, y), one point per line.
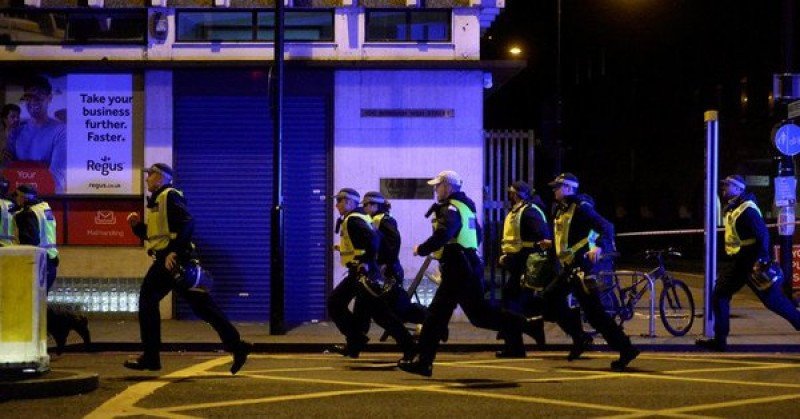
(348, 252)
(47, 228)
(376, 220)
(512, 228)
(561, 226)
(467, 237)
(158, 234)
(733, 244)
(6, 224)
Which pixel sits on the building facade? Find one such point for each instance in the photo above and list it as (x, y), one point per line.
(379, 95)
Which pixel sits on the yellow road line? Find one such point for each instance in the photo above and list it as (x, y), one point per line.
(711, 359)
(531, 399)
(732, 403)
(124, 402)
(751, 368)
(708, 380)
(265, 400)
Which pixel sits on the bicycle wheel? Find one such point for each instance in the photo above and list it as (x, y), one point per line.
(676, 307)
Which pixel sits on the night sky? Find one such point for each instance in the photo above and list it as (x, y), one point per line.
(637, 76)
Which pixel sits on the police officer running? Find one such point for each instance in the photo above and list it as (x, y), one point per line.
(454, 242)
(398, 300)
(36, 226)
(581, 236)
(167, 231)
(525, 230)
(358, 247)
(747, 244)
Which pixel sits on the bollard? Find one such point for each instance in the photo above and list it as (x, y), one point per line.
(23, 310)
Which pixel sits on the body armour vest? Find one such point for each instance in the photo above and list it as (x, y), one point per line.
(512, 229)
(158, 234)
(47, 228)
(733, 243)
(347, 251)
(467, 237)
(561, 226)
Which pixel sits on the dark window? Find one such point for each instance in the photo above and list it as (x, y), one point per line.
(233, 26)
(299, 26)
(404, 188)
(408, 26)
(214, 26)
(72, 26)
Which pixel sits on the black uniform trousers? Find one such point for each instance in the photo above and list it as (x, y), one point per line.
(158, 282)
(462, 284)
(551, 303)
(589, 300)
(731, 281)
(398, 299)
(366, 306)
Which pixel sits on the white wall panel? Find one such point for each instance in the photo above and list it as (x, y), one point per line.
(370, 148)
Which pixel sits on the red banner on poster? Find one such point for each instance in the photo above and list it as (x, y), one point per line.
(795, 265)
(101, 223)
(30, 173)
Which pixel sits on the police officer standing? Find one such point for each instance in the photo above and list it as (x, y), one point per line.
(747, 244)
(525, 230)
(581, 236)
(454, 242)
(6, 215)
(358, 247)
(167, 232)
(36, 226)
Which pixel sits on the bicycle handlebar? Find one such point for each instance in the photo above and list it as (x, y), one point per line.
(670, 251)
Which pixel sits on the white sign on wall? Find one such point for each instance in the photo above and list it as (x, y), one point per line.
(100, 133)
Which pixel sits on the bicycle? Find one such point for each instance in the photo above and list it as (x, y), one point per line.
(675, 304)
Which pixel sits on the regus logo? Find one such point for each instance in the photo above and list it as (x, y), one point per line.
(105, 166)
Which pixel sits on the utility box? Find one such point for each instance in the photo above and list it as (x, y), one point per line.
(23, 310)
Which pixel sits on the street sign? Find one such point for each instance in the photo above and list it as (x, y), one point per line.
(787, 139)
(793, 109)
(785, 191)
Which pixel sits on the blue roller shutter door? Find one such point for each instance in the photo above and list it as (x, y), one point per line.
(223, 155)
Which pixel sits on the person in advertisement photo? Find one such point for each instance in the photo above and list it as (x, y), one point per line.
(41, 139)
(9, 121)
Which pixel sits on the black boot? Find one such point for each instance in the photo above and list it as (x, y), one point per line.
(580, 345)
(625, 358)
(143, 363)
(712, 344)
(416, 366)
(534, 328)
(240, 354)
(352, 349)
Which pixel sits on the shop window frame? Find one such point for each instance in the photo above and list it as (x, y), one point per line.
(59, 21)
(408, 25)
(255, 26)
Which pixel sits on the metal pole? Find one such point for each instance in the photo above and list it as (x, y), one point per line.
(711, 216)
(278, 239)
(559, 99)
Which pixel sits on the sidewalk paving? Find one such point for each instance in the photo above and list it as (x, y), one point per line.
(753, 328)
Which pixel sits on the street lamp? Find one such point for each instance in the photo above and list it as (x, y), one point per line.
(515, 51)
